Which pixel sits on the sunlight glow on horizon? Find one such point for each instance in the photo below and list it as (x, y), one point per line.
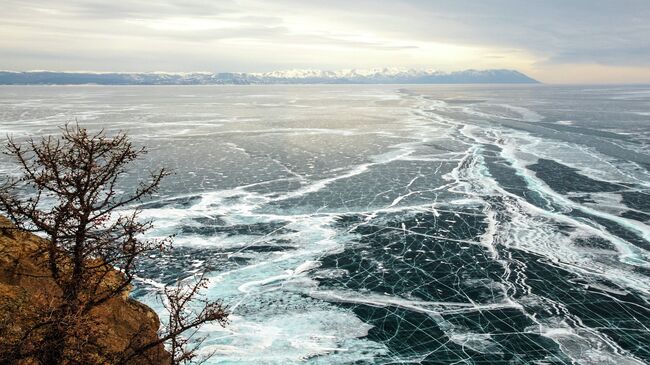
(254, 36)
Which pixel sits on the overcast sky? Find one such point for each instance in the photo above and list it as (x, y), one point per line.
(555, 41)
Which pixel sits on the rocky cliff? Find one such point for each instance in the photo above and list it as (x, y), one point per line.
(25, 286)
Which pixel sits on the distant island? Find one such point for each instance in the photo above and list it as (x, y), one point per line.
(376, 76)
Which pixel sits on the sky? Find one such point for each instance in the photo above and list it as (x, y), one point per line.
(554, 41)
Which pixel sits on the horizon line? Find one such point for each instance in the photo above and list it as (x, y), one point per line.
(422, 69)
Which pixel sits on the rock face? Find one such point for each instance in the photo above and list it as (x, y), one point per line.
(25, 284)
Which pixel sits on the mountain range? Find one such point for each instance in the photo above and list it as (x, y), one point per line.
(352, 76)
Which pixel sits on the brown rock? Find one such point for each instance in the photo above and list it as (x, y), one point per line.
(26, 285)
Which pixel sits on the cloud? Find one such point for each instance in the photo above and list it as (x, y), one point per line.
(608, 32)
(530, 35)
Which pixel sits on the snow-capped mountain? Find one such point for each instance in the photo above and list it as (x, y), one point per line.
(350, 76)
(345, 74)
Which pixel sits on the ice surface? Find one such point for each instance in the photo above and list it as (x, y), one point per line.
(386, 225)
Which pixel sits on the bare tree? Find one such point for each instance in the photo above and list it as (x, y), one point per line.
(183, 322)
(69, 190)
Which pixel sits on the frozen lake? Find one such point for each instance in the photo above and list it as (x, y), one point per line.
(429, 224)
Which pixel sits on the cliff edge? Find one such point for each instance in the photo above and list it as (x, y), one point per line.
(25, 284)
